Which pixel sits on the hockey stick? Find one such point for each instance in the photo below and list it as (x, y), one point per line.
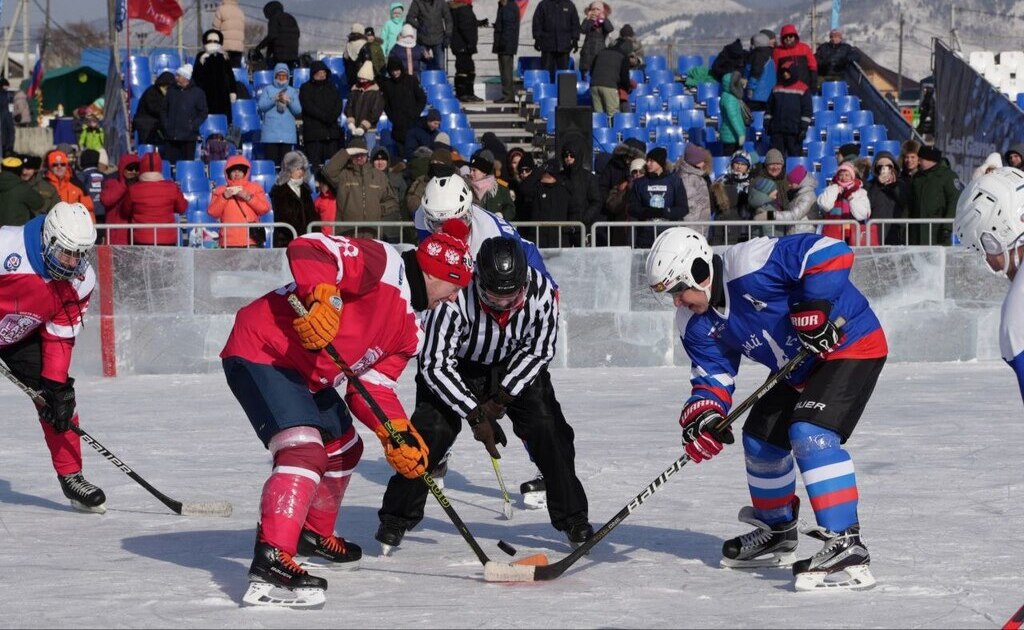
(504, 572)
(506, 507)
(204, 508)
(1015, 622)
(435, 490)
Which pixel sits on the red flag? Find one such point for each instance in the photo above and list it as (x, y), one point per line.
(163, 14)
(522, 7)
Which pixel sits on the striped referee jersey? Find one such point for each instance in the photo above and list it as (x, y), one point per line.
(464, 330)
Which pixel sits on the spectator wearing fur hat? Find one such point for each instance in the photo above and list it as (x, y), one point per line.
(423, 134)
(292, 198)
(802, 202)
(412, 55)
(595, 27)
(789, 112)
(552, 201)
(506, 45)
(689, 169)
(434, 26)
(213, 74)
(889, 195)
(184, 112)
(657, 196)
(404, 99)
(363, 192)
(154, 200)
(230, 20)
(617, 169)
(321, 106)
(279, 104)
(845, 199)
(365, 102)
(991, 163)
(488, 192)
(935, 191)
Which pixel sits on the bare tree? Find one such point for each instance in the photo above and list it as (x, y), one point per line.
(64, 47)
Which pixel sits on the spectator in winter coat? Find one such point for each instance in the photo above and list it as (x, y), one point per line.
(413, 56)
(582, 184)
(889, 197)
(556, 33)
(365, 102)
(114, 196)
(528, 178)
(465, 34)
(153, 199)
(1015, 156)
(21, 112)
(552, 201)
(595, 28)
(292, 198)
(909, 161)
(363, 192)
(732, 58)
(617, 169)
(763, 202)
(321, 106)
(62, 178)
(326, 203)
(731, 128)
(432, 20)
(617, 206)
(279, 104)
(389, 32)
(150, 110)
(183, 114)
(381, 160)
(760, 73)
(845, 199)
(488, 193)
(404, 99)
(506, 46)
(657, 196)
(423, 134)
(789, 112)
(801, 202)
(35, 177)
(7, 128)
(356, 53)
(213, 75)
(92, 137)
(834, 56)
(230, 20)
(773, 167)
(489, 141)
(609, 73)
(729, 199)
(282, 40)
(239, 200)
(934, 192)
(90, 179)
(805, 66)
(374, 50)
(439, 164)
(510, 170)
(690, 170)
(19, 203)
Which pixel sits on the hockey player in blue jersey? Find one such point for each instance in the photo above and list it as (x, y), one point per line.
(766, 299)
(990, 220)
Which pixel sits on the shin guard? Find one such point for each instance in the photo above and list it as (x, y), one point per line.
(342, 456)
(771, 478)
(65, 448)
(828, 475)
(300, 461)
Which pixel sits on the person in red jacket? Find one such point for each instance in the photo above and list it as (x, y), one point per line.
(240, 200)
(114, 197)
(154, 200)
(362, 298)
(805, 66)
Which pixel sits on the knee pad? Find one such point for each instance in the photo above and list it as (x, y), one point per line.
(808, 439)
(345, 452)
(764, 458)
(299, 447)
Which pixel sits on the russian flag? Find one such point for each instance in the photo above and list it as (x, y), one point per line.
(37, 77)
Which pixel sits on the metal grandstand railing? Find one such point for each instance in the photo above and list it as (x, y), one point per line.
(191, 234)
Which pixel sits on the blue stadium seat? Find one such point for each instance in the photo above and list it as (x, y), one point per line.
(839, 134)
(691, 119)
(447, 106)
(892, 146)
(818, 104)
(655, 62)
(138, 73)
(143, 149)
(846, 103)
(262, 78)
(707, 90)
(667, 135)
(793, 162)
(599, 120)
(658, 119)
(264, 179)
(547, 109)
(244, 108)
(668, 90)
(161, 61)
(214, 123)
(191, 176)
(543, 91)
(604, 137)
(432, 77)
(337, 67)
(685, 62)
(870, 137)
(659, 77)
(263, 167)
(860, 118)
(533, 77)
(241, 75)
(637, 133)
(166, 170)
(713, 107)
(217, 172)
(636, 74)
(647, 103)
(1020, 100)
(299, 76)
(624, 120)
(675, 151)
(831, 90)
(719, 165)
(468, 149)
(437, 91)
(461, 136)
(816, 150)
(454, 121)
(825, 118)
(826, 167)
(679, 102)
(757, 124)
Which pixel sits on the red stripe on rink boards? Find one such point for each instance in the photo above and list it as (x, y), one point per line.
(1015, 621)
(105, 275)
(832, 499)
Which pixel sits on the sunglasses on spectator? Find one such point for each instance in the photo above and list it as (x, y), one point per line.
(56, 164)
(638, 171)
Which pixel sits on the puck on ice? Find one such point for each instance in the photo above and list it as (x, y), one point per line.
(507, 548)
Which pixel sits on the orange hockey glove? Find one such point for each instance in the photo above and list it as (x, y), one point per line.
(410, 458)
(319, 327)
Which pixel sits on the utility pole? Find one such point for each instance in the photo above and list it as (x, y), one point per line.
(46, 32)
(899, 62)
(26, 67)
(954, 40)
(814, 23)
(199, 25)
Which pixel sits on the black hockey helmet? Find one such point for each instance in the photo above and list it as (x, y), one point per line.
(501, 273)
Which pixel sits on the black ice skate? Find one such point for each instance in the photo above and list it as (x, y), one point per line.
(766, 546)
(843, 563)
(84, 496)
(578, 530)
(334, 550)
(389, 536)
(275, 579)
(535, 495)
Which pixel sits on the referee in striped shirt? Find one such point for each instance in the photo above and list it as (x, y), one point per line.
(484, 355)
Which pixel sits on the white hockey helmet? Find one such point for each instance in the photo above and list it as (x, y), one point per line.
(679, 259)
(448, 197)
(68, 236)
(990, 215)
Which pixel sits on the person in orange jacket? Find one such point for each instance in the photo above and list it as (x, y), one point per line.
(59, 174)
(238, 201)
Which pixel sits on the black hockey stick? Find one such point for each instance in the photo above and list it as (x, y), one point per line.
(205, 508)
(504, 572)
(435, 490)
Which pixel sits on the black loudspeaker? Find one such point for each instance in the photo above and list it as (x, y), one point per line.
(567, 90)
(575, 125)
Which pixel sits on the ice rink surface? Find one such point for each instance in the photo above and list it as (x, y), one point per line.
(937, 457)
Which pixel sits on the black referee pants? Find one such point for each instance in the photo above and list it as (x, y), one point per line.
(536, 418)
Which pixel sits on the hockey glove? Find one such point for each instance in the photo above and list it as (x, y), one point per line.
(812, 324)
(319, 326)
(700, 438)
(60, 403)
(483, 419)
(408, 458)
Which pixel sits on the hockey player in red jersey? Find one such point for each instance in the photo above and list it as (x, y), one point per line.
(362, 297)
(45, 285)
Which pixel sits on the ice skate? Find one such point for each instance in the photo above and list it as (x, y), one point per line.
(275, 579)
(389, 537)
(766, 546)
(535, 496)
(84, 496)
(843, 563)
(328, 552)
(578, 530)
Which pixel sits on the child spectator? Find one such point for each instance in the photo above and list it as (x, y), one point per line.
(92, 135)
(595, 28)
(845, 199)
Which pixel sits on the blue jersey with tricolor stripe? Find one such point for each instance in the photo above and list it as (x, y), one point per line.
(762, 278)
(1011, 329)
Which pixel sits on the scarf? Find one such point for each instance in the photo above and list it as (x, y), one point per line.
(483, 186)
(365, 85)
(296, 186)
(212, 48)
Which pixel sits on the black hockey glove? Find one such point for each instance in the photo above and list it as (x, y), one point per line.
(812, 324)
(60, 403)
